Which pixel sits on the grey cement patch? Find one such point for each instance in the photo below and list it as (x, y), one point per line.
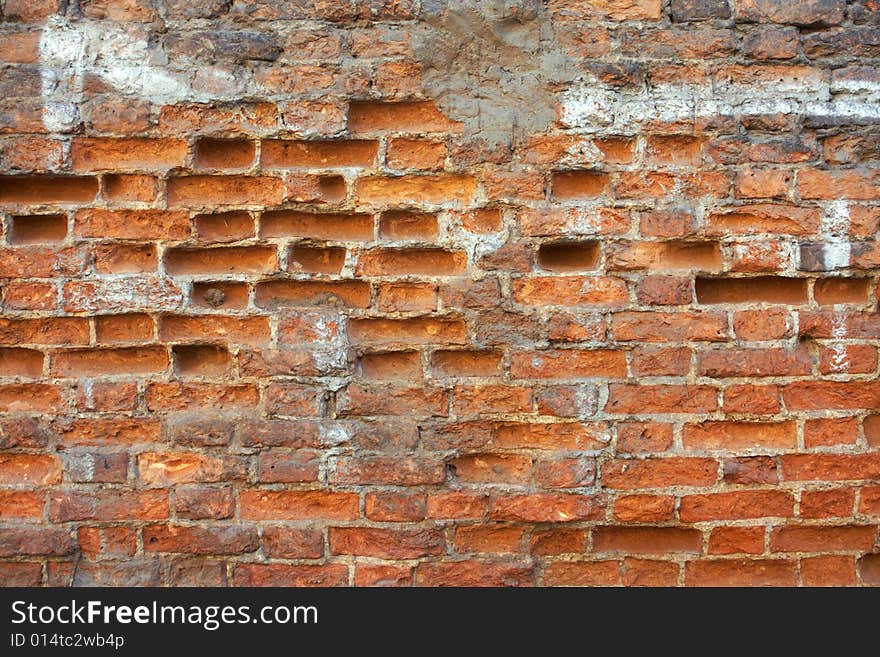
(491, 64)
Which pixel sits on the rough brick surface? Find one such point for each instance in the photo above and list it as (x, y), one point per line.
(424, 293)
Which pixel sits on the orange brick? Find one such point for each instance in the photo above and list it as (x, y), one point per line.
(103, 154)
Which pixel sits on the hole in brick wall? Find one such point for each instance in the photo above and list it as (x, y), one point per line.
(691, 255)
(319, 226)
(404, 225)
(225, 153)
(221, 260)
(769, 289)
(224, 226)
(391, 365)
(125, 258)
(36, 229)
(396, 262)
(129, 187)
(408, 116)
(21, 362)
(47, 189)
(200, 360)
(218, 294)
(568, 256)
(830, 291)
(466, 363)
(316, 259)
(407, 297)
(132, 327)
(579, 184)
(617, 150)
(332, 188)
(872, 430)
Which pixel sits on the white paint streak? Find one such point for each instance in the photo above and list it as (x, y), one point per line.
(125, 294)
(331, 351)
(589, 103)
(839, 361)
(476, 245)
(123, 58)
(837, 250)
(334, 435)
(62, 60)
(88, 387)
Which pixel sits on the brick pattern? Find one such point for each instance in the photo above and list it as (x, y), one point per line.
(327, 338)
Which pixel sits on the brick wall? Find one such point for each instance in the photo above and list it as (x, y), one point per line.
(371, 292)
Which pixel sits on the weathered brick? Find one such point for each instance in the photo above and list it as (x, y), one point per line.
(331, 293)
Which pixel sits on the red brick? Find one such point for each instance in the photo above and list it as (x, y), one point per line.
(644, 508)
(669, 327)
(457, 505)
(740, 435)
(628, 398)
(206, 191)
(740, 572)
(319, 226)
(724, 363)
(132, 224)
(551, 436)
(397, 262)
(869, 500)
(108, 505)
(395, 507)
(736, 540)
(21, 362)
(43, 190)
(383, 575)
(292, 543)
(426, 189)
(495, 539)
(837, 502)
(203, 502)
(546, 507)
(108, 362)
(823, 539)
(473, 573)
(279, 293)
(29, 469)
(102, 154)
(634, 437)
(406, 331)
(739, 505)
(298, 505)
(830, 467)
(582, 573)
(568, 364)
(647, 540)
(748, 398)
(492, 468)
(199, 540)
(167, 468)
(487, 399)
(414, 117)
(21, 504)
(644, 572)
(625, 474)
(386, 543)
(388, 470)
(282, 574)
(828, 571)
(570, 291)
(223, 260)
(26, 541)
